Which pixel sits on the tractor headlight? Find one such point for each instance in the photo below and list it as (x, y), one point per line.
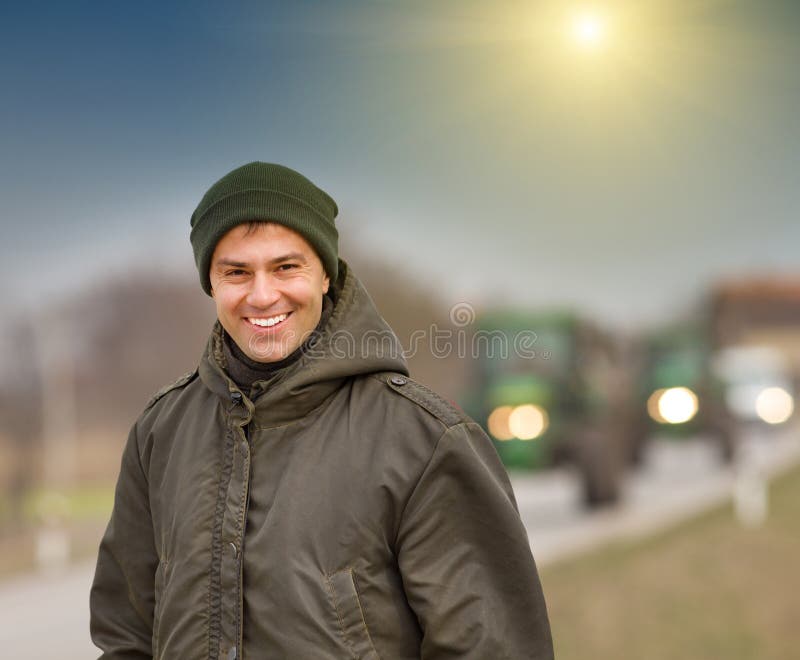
(673, 405)
(525, 422)
(498, 423)
(528, 422)
(774, 405)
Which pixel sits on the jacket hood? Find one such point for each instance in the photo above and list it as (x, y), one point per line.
(355, 341)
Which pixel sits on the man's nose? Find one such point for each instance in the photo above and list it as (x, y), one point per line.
(263, 291)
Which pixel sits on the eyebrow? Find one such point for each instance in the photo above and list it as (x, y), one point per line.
(290, 256)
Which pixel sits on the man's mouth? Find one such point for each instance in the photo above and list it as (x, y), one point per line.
(267, 321)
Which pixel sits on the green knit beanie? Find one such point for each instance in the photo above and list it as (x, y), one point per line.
(264, 191)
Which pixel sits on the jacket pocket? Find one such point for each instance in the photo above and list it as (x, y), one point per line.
(344, 597)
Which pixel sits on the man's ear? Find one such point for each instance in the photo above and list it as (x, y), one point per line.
(326, 282)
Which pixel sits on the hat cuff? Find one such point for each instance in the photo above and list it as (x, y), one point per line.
(266, 206)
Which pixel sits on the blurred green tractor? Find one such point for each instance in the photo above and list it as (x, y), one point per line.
(547, 391)
(678, 395)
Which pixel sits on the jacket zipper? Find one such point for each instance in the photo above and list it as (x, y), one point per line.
(237, 399)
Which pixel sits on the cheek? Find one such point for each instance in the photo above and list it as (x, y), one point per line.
(302, 292)
(226, 301)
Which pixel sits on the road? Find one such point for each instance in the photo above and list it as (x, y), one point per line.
(677, 480)
(46, 615)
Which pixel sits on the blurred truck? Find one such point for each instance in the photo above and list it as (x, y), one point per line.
(758, 384)
(755, 324)
(547, 389)
(758, 311)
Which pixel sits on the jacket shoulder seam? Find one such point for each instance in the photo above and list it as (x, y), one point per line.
(444, 411)
(180, 382)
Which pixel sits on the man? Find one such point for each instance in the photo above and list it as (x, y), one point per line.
(298, 496)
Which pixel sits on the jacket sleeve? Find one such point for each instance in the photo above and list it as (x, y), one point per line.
(465, 559)
(122, 596)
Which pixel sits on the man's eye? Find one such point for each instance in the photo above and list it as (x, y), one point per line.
(287, 267)
(235, 272)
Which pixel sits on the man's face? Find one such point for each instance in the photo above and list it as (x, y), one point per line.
(267, 283)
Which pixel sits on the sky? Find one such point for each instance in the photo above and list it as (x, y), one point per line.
(482, 148)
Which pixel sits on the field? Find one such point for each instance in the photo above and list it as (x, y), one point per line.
(706, 589)
(81, 515)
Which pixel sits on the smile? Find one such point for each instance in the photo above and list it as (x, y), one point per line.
(268, 322)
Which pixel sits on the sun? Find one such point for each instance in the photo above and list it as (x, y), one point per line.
(589, 29)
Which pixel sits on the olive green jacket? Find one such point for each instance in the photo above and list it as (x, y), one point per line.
(341, 511)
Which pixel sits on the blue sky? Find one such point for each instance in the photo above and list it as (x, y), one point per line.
(464, 141)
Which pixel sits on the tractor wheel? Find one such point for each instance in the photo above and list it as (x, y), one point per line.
(599, 468)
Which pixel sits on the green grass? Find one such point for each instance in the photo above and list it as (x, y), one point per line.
(78, 504)
(707, 589)
(81, 512)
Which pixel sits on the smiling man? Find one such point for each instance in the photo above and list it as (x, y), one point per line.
(290, 499)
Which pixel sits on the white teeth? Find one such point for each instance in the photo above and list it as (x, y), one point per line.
(268, 323)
